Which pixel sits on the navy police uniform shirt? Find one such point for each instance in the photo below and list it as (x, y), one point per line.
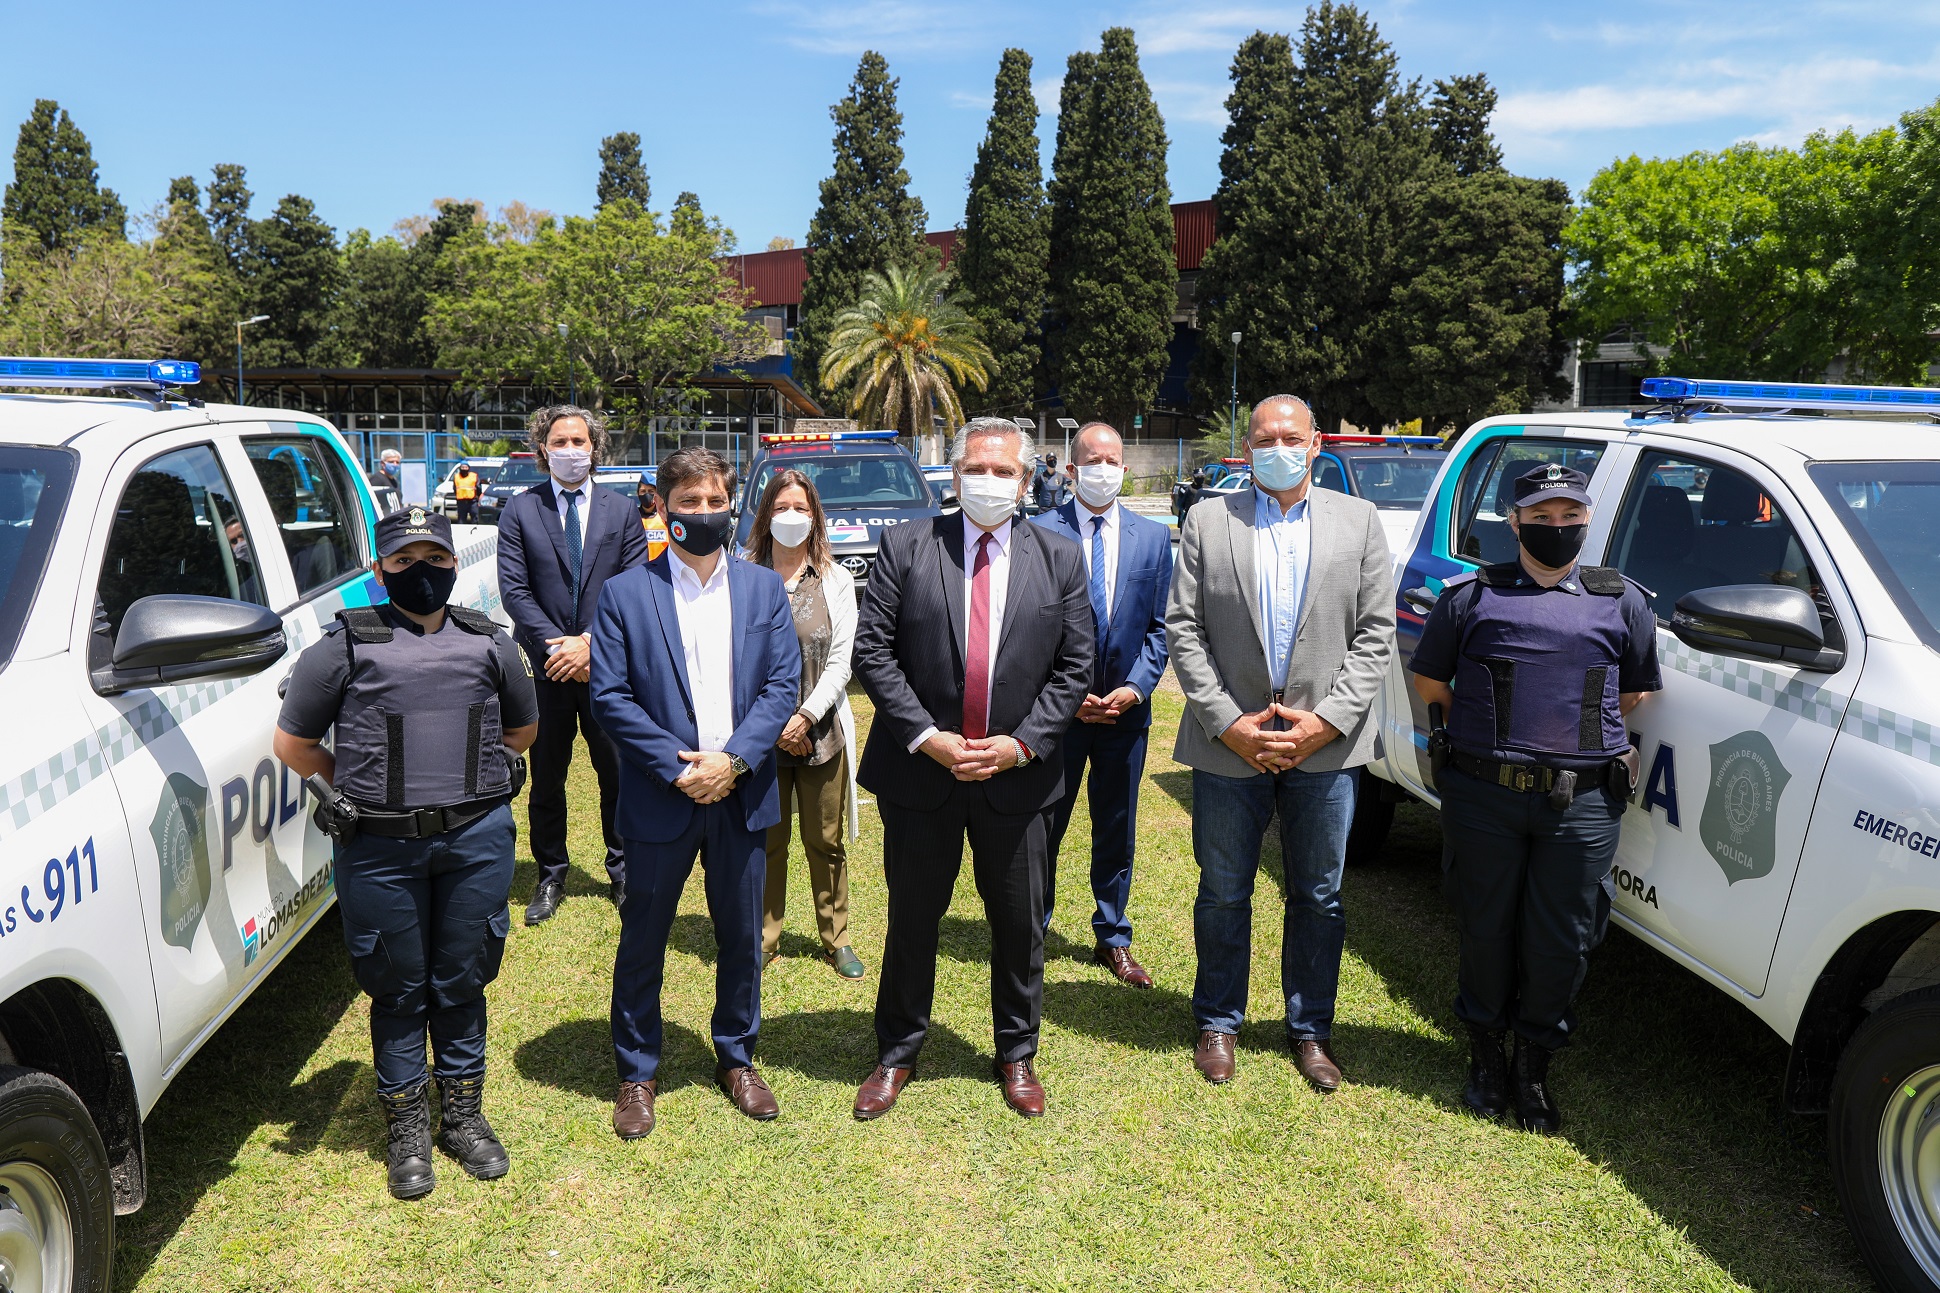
(1537, 671)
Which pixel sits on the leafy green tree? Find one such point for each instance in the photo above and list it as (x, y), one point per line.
(1002, 252)
(55, 196)
(622, 172)
(1113, 280)
(203, 325)
(183, 188)
(377, 319)
(909, 344)
(866, 219)
(1458, 120)
(229, 211)
(687, 215)
(291, 274)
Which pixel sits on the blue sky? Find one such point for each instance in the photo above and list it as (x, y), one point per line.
(374, 110)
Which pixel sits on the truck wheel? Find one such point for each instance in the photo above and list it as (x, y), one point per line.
(1884, 1139)
(57, 1218)
(1373, 817)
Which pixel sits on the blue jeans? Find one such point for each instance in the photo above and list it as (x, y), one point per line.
(1229, 817)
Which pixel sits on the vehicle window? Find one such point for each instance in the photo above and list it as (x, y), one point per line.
(316, 512)
(1692, 524)
(1396, 484)
(1328, 474)
(872, 481)
(177, 530)
(1892, 511)
(519, 471)
(1482, 533)
(34, 485)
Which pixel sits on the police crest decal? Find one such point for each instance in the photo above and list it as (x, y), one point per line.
(1740, 821)
(182, 850)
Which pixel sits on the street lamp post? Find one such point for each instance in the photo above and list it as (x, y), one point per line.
(572, 380)
(1232, 416)
(240, 325)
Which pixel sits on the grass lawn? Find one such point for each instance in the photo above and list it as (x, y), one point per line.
(1678, 1169)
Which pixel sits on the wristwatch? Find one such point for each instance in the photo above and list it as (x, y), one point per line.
(739, 764)
(1024, 755)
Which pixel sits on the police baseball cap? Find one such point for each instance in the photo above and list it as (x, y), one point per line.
(408, 525)
(1547, 480)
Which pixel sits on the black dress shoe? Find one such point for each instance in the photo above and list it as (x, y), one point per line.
(545, 901)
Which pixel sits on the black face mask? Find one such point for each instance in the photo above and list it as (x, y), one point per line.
(1554, 546)
(421, 587)
(700, 533)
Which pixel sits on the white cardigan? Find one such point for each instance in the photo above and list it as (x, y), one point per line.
(832, 691)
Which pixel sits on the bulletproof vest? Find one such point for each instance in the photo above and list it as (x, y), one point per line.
(420, 726)
(1536, 673)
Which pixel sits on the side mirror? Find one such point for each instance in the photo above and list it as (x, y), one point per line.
(1756, 621)
(181, 638)
(946, 498)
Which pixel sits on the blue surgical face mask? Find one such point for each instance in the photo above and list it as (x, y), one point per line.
(1277, 467)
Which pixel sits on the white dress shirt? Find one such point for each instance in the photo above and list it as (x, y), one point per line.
(1283, 544)
(585, 490)
(706, 617)
(999, 551)
(1112, 530)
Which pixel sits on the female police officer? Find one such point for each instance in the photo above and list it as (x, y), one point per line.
(431, 705)
(1536, 662)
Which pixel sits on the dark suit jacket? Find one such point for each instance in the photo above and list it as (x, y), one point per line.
(643, 701)
(535, 579)
(909, 648)
(1133, 652)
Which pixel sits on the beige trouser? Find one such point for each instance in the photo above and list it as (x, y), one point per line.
(823, 792)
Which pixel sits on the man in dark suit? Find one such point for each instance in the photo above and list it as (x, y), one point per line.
(695, 671)
(975, 643)
(558, 544)
(1128, 566)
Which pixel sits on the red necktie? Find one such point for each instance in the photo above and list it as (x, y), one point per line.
(976, 664)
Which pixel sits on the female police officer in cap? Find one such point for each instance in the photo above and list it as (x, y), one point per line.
(432, 706)
(1536, 661)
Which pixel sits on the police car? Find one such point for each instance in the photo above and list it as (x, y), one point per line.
(1393, 472)
(1784, 842)
(518, 473)
(867, 482)
(163, 562)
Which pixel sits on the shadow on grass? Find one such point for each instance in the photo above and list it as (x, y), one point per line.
(840, 1046)
(577, 1056)
(1176, 784)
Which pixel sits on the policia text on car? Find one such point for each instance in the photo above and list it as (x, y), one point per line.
(1537, 661)
(432, 706)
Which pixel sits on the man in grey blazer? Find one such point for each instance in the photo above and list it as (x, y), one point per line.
(1281, 623)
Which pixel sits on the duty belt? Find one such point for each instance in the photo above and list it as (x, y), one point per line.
(1515, 776)
(420, 823)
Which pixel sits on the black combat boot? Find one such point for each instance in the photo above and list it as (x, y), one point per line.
(1487, 1092)
(1534, 1109)
(407, 1120)
(463, 1131)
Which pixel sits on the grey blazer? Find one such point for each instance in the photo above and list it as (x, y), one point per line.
(1340, 654)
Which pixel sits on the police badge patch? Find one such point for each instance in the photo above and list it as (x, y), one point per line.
(1740, 820)
(182, 851)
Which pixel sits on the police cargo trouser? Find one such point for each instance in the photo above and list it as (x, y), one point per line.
(1530, 884)
(425, 922)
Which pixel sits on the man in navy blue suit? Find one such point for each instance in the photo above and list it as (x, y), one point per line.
(1128, 563)
(558, 544)
(695, 671)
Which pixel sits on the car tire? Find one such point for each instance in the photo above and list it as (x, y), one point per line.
(57, 1215)
(1367, 838)
(1883, 1138)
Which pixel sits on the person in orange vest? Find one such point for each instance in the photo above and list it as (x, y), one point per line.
(650, 519)
(464, 492)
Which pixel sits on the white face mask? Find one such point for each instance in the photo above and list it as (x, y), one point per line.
(569, 466)
(987, 500)
(1099, 483)
(1278, 467)
(790, 529)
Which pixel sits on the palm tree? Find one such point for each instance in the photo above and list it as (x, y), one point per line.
(909, 344)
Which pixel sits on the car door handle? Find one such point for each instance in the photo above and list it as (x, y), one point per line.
(1421, 599)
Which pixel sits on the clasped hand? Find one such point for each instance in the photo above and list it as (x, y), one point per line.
(1106, 709)
(572, 662)
(708, 778)
(972, 760)
(794, 736)
(1268, 750)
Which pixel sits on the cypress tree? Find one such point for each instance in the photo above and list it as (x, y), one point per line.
(183, 189)
(56, 196)
(291, 274)
(1113, 280)
(1458, 119)
(688, 220)
(1005, 245)
(622, 172)
(229, 211)
(866, 220)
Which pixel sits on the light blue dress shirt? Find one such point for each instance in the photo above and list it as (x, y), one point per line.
(1283, 543)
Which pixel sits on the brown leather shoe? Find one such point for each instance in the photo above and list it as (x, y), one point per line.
(878, 1093)
(1212, 1055)
(1315, 1060)
(1119, 961)
(749, 1093)
(633, 1111)
(1022, 1091)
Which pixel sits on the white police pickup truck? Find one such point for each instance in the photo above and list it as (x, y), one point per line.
(162, 563)
(1785, 841)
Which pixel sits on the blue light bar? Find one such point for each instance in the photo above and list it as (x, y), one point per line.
(1793, 395)
(99, 374)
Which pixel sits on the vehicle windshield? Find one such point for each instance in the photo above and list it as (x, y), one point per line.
(519, 471)
(1892, 511)
(34, 486)
(875, 480)
(1400, 483)
(485, 472)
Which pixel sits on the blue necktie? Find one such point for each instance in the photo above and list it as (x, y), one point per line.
(1099, 615)
(573, 545)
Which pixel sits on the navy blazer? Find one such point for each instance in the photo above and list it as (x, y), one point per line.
(643, 702)
(1133, 652)
(535, 580)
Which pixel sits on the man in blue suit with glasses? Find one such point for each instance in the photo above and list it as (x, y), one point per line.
(1128, 560)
